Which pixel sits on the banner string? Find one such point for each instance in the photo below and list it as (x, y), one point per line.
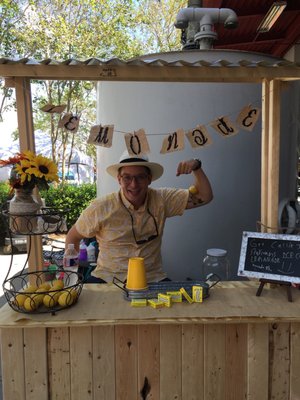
(207, 124)
(256, 103)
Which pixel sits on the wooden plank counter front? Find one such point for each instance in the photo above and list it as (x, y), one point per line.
(234, 345)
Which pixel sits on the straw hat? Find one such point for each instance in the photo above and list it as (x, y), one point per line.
(127, 160)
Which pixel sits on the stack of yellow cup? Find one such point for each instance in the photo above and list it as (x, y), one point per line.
(136, 274)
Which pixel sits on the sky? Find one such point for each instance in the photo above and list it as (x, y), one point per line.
(8, 125)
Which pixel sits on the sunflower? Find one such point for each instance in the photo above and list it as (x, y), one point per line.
(29, 171)
(22, 169)
(42, 167)
(28, 155)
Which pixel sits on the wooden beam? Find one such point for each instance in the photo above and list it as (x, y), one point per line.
(26, 137)
(152, 72)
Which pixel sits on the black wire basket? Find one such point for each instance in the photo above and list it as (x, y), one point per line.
(31, 293)
(48, 220)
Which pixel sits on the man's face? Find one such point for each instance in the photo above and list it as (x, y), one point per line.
(134, 181)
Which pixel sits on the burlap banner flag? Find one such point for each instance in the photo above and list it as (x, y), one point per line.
(248, 117)
(101, 135)
(52, 109)
(173, 142)
(137, 142)
(69, 122)
(224, 126)
(198, 137)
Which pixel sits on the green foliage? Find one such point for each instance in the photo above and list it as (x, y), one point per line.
(73, 199)
(156, 23)
(4, 196)
(4, 192)
(74, 29)
(61, 30)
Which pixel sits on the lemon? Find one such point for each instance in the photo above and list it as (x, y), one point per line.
(50, 300)
(40, 290)
(193, 189)
(46, 286)
(30, 304)
(74, 294)
(65, 299)
(20, 300)
(30, 289)
(38, 298)
(58, 284)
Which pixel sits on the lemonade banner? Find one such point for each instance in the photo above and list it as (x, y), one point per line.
(137, 143)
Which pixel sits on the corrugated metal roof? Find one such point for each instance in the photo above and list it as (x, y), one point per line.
(155, 62)
(167, 67)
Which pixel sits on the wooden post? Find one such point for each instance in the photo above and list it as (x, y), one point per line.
(274, 155)
(265, 153)
(26, 137)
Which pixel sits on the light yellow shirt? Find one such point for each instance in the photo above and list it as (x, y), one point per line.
(109, 221)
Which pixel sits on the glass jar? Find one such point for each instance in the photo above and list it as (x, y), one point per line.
(216, 262)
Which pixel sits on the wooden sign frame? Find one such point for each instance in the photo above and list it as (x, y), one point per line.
(289, 245)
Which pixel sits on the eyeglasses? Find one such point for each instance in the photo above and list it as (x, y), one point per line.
(127, 179)
(150, 238)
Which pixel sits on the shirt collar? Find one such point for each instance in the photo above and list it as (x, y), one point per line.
(128, 205)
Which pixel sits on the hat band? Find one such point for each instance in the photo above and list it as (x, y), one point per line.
(128, 160)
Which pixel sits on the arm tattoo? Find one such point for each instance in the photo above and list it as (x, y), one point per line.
(194, 201)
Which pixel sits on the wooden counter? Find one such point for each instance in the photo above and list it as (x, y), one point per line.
(232, 346)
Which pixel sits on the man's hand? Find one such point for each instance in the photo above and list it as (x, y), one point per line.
(187, 167)
(201, 192)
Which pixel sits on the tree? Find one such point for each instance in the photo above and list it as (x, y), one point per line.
(61, 30)
(75, 29)
(11, 13)
(157, 18)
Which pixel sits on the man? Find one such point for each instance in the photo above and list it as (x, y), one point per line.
(130, 223)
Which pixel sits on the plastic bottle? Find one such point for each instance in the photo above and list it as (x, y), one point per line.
(71, 263)
(83, 255)
(91, 253)
(216, 262)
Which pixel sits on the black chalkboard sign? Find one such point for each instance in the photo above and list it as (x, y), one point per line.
(270, 256)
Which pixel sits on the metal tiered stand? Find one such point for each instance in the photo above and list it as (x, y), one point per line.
(38, 291)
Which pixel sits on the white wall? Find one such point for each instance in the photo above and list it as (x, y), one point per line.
(232, 164)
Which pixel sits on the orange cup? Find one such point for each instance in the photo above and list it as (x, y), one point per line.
(136, 274)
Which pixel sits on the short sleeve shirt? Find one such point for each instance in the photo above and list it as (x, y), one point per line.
(112, 220)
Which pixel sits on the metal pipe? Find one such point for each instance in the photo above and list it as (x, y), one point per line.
(197, 25)
(217, 15)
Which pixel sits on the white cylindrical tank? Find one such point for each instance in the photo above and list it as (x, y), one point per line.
(232, 164)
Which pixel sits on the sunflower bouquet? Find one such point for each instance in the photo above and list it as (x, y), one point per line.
(30, 170)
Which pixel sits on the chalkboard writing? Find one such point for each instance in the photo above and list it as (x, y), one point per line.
(270, 256)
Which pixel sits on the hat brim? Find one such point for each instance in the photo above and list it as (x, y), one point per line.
(156, 169)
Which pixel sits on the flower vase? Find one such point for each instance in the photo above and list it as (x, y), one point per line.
(22, 208)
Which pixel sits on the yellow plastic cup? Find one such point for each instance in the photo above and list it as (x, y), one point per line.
(136, 274)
